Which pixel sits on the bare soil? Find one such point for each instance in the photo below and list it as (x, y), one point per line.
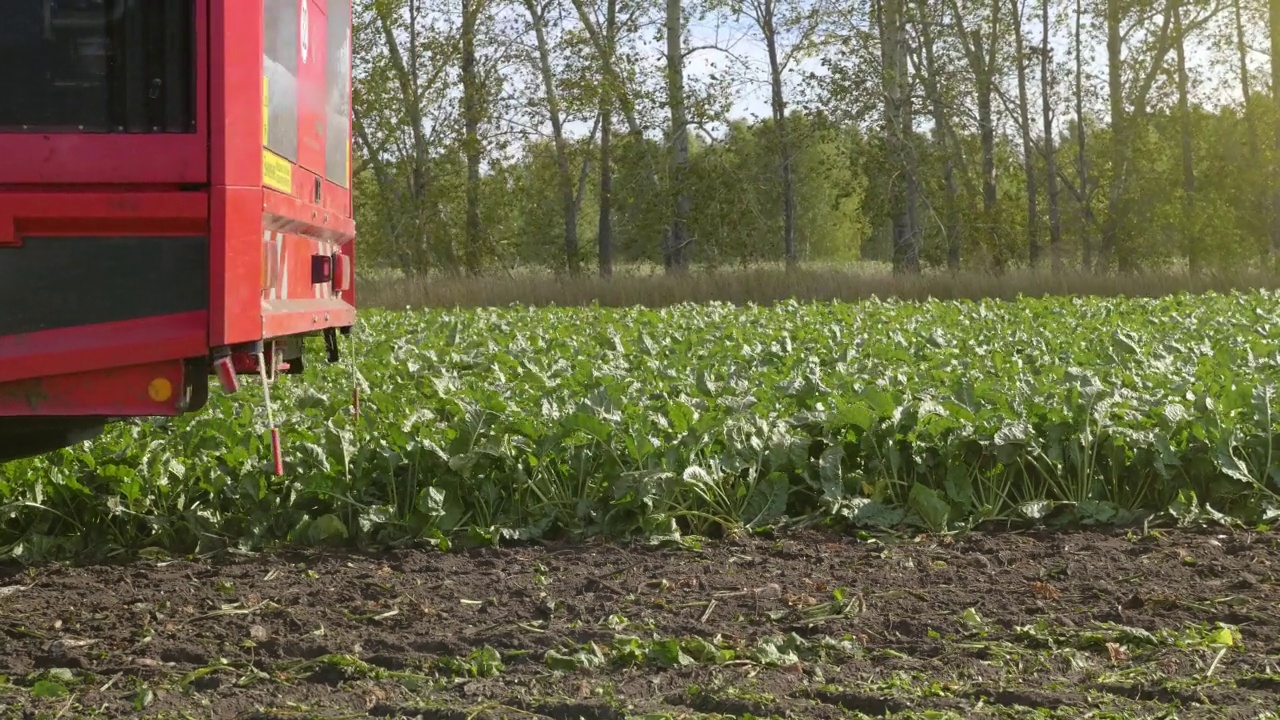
(804, 626)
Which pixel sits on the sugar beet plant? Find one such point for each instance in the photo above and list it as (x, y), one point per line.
(523, 424)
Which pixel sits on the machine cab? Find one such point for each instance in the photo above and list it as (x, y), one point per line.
(174, 193)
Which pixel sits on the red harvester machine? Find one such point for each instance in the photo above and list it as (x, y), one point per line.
(175, 204)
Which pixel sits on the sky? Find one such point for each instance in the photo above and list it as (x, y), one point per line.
(1214, 75)
(735, 44)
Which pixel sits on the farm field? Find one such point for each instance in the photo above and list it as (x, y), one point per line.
(885, 509)
(1068, 625)
(480, 426)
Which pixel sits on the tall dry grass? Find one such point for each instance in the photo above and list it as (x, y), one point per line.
(766, 285)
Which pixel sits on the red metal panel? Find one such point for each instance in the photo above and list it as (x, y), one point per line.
(152, 389)
(31, 158)
(296, 225)
(306, 316)
(349, 295)
(288, 214)
(333, 198)
(44, 159)
(336, 199)
(288, 258)
(311, 88)
(292, 302)
(80, 349)
(235, 98)
(236, 197)
(97, 213)
(235, 268)
(304, 185)
(341, 197)
(248, 291)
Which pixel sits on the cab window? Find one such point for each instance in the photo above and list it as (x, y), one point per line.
(99, 66)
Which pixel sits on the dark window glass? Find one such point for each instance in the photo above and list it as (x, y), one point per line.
(97, 66)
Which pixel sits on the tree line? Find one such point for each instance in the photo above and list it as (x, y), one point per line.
(1102, 135)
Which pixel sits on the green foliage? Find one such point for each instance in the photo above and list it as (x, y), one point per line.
(412, 189)
(516, 424)
(842, 213)
(737, 190)
(734, 184)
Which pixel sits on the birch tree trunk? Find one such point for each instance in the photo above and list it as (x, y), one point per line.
(953, 161)
(1261, 200)
(1273, 28)
(1085, 190)
(565, 176)
(1191, 240)
(472, 252)
(1028, 152)
(765, 13)
(676, 253)
(408, 82)
(897, 98)
(605, 44)
(1119, 135)
(1246, 92)
(1050, 149)
(1115, 245)
(980, 52)
(604, 233)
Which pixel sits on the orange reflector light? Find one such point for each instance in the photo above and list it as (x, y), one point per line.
(160, 389)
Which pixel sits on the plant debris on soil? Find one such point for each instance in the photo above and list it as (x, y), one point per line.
(1108, 624)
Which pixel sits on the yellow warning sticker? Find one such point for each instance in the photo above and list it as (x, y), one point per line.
(266, 110)
(277, 172)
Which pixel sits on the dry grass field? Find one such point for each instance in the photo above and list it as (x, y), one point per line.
(765, 285)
